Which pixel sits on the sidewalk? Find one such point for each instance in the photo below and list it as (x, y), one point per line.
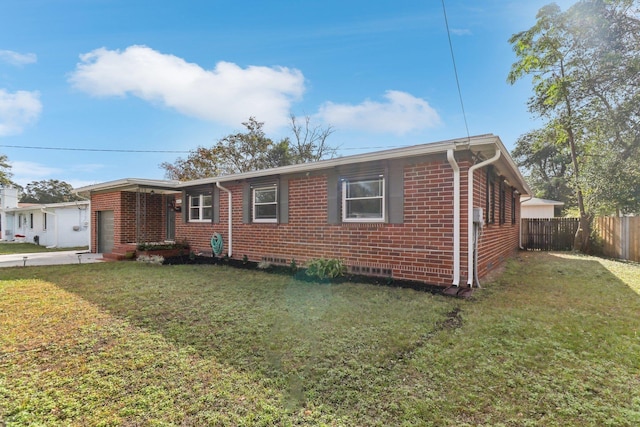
(49, 258)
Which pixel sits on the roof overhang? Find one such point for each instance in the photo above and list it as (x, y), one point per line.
(482, 146)
(40, 206)
(131, 184)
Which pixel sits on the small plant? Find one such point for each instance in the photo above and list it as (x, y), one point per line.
(153, 246)
(245, 259)
(322, 268)
(293, 266)
(151, 259)
(263, 265)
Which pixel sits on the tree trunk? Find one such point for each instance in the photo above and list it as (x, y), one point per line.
(582, 240)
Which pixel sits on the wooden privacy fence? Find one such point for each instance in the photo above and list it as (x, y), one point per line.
(548, 234)
(620, 236)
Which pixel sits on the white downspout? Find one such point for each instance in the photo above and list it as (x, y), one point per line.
(470, 214)
(520, 228)
(230, 245)
(55, 227)
(88, 217)
(456, 217)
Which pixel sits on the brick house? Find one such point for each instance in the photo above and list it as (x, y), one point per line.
(405, 213)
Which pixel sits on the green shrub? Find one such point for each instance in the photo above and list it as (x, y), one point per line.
(157, 246)
(323, 268)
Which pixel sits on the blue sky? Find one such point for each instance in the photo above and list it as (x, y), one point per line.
(170, 76)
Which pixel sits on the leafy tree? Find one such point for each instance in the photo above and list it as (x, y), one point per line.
(252, 150)
(48, 191)
(547, 165)
(5, 170)
(5, 174)
(585, 70)
(310, 143)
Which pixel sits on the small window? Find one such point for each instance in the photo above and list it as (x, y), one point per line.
(503, 203)
(31, 221)
(363, 200)
(513, 207)
(44, 221)
(490, 198)
(200, 207)
(265, 204)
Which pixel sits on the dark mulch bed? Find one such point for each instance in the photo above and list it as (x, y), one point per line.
(300, 273)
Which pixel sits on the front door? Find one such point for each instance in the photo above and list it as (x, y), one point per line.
(105, 232)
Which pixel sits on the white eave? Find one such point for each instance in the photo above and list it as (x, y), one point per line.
(542, 202)
(40, 206)
(129, 184)
(483, 145)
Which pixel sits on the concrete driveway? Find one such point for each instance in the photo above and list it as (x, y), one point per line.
(49, 258)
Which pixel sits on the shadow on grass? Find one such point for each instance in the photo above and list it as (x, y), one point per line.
(329, 344)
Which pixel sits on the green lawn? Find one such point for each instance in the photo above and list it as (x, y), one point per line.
(554, 340)
(27, 248)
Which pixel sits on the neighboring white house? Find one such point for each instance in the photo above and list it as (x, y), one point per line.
(539, 208)
(62, 225)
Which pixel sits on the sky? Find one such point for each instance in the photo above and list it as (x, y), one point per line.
(99, 90)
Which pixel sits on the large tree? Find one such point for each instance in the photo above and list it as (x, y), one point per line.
(5, 170)
(48, 191)
(252, 150)
(585, 70)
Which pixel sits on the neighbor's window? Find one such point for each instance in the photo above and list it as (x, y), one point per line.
(44, 221)
(31, 221)
(265, 204)
(363, 200)
(200, 207)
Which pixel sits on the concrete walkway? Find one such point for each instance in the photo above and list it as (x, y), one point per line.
(49, 258)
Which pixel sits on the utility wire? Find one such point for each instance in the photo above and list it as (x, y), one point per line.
(109, 150)
(455, 69)
(115, 150)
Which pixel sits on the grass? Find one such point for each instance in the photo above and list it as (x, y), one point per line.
(553, 341)
(27, 248)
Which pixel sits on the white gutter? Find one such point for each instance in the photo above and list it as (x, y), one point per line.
(230, 245)
(55, 227)
(520, 228)
(456, 217)
(88, 218)
(470, 214)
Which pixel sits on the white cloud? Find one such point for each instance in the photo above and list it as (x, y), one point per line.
(227, 94)
(25, 172)
(402, 113)
(461, 31)
(18, 110)
(15, 58)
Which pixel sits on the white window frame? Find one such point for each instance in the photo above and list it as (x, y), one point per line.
(201, 207)
(346, 200)
(273, 188)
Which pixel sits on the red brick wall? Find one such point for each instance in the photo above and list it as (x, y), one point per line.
(125, 208)
(419, 249)
(498, 242)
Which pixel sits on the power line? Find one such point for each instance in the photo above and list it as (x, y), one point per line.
(116, 150)
(455, 69)
(108, 150)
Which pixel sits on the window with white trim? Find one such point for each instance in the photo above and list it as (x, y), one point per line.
(200, 207)
(265, 204)
(363, 200)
